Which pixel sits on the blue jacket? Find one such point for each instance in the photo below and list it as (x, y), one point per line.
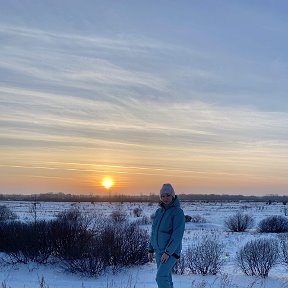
(168, 229)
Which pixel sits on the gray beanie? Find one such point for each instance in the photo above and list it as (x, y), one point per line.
(167, 189)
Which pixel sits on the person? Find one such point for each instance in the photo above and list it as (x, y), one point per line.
(166, 235)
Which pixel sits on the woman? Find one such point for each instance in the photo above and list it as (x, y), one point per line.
(166, 236)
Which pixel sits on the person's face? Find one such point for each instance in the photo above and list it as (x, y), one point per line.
(166, 198)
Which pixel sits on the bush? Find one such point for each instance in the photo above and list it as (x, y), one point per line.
(273, 224)
(283, 241)
(91, 265)
(70, 241)
(137, 212)
(257, 257)
(118, 216)
(6, 214)
(205, 257)
(70, 215)
(25, 242)
(239, 222)
(71, 235)
(4, 285)
(123, 245)
(68, 237)
(198, 219)
(179, 267)
(144, 220)
(195, 219)
(75, 243)
(116, 246)
(188, 218)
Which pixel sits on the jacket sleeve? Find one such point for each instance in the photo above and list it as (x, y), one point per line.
(150, 246)
(177, 234)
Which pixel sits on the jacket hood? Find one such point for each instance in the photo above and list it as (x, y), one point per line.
(174, 203)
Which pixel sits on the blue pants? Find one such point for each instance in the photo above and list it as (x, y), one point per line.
(164, 275)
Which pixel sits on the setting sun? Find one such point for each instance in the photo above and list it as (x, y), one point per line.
(107, 183)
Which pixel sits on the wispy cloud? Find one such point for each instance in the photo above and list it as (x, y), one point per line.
(183, 104)
(142, 123)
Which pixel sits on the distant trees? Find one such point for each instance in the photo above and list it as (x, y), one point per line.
(62, 197)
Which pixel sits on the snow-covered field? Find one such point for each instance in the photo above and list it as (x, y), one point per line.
(30, 275)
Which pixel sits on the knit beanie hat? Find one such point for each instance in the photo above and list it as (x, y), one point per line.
(167, 189)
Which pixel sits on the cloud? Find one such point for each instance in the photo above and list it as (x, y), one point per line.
(127, 67)
(33, 115)
(145, 102)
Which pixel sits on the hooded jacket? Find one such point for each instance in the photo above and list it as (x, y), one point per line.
(168, 229)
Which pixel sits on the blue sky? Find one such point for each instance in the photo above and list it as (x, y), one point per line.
(146, 92)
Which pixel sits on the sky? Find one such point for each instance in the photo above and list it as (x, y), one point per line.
(192, 93)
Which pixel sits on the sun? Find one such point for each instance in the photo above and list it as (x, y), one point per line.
(107, 183)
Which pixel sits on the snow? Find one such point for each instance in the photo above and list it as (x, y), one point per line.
(30, 275)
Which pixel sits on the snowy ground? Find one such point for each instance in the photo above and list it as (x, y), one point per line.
(29, 276)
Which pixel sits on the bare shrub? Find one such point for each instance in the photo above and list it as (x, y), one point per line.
(42, 283)
(81, 248)
(4, 285)
(25, 242)
(71, 235)
(118, 216)
(198, 219)
(273, 224)
(205, 257)
(112, 245)
(258, 256)
(71, 241)
(91, 265)
(179, 267)
(70, 215)
(144, 220)
(239, 222)
(283, 245)
(76, 243)
(115, 246)
(68, 237)
(188, 218)
(137, 212)
(123, 245)
(195, 219)
(6, 214)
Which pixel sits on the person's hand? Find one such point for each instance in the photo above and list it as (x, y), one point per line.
(164, 258)
(150, 256)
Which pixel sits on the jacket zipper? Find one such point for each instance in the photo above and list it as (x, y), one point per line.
(159, 225)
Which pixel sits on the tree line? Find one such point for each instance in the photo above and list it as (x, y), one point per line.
(62, 197)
